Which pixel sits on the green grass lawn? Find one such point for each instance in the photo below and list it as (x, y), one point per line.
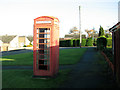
(71, 56)
(23, 79)
(106, 71)
(18, 59)
(108, 52)
(66, 56)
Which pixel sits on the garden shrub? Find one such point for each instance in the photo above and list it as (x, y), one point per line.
(95, 42)
(78, 42)
(109, 41)
(83, 43)
(69, 43)
(108, 52)
(89, 42)
(101, 43)
(75, 43)
(29, 45)
(63, 43)
(24, 46)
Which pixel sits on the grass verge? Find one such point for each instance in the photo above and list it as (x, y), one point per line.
(71, 56)
(106, 72)
(66, 56)
(108, 52)
(23, 79)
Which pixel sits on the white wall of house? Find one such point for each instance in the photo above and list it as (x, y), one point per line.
(32, 42)
(1, 43)
(14, 43)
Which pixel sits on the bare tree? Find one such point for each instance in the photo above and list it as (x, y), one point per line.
(72, 30)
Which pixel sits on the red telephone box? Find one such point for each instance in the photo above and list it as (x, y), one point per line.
(46, 46)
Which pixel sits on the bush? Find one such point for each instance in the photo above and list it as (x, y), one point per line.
(30, 43)
(63, 43)
(83, 43)
(95, 42)
(78, 42)
(109, 41)
(101, 43)
(24, 46)
(69, 43)
(74, 43)
(108, 52)
(89, 42)
(29, 46)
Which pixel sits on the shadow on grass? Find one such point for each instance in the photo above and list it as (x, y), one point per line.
(23, 79)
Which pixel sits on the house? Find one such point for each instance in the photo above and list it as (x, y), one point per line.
(116, 50)
(23, 40)
(13, 41)
(1, 45)
(6, 39)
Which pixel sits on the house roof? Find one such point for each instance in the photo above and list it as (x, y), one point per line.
(7, 38)
(115, 27)
(30, 38)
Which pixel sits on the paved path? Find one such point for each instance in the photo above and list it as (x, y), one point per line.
(88, 74)
(5, 53)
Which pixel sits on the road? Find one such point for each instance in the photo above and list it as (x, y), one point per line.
(5, 53)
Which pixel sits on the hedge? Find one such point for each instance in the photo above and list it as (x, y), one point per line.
(95, 42)
(69, 43)
(74, 43)
(83, 42)
(109, 41)
(101, 43)
(89, 42)
(63, 43)
(78, 42)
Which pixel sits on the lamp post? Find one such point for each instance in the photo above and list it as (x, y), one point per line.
(80, 24)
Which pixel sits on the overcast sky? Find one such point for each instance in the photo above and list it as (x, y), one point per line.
(17, 16)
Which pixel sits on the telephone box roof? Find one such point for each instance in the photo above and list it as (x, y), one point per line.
(51, 17)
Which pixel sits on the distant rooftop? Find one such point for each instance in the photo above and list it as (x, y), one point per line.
(7, 38)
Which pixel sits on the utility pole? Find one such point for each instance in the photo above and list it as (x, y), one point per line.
(80, 25)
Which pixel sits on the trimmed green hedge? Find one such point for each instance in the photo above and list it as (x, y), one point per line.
(74, 43)
(83, 42)
(95, 42)
(62, 43)
(101, 43)
(78, 42)
(69, 43)
(89, 42)
(109, 41)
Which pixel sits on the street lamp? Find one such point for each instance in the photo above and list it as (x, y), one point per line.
(80, 24)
